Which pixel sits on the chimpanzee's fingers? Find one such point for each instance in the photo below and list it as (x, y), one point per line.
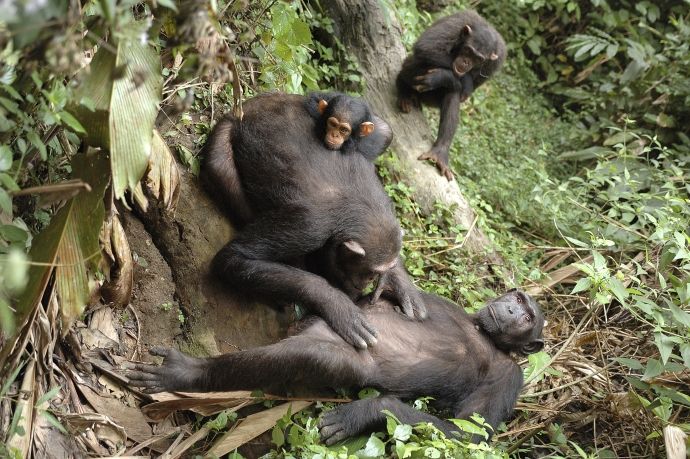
(160, 351)
(420, 308)
(428, 155)
(367, 333)
(445, 170)
(335, 437)
(377, 292)
(137, 378)
(406, 306)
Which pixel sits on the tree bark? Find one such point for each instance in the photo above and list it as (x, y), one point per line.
(374, 36)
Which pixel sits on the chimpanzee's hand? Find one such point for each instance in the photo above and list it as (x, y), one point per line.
(349, 322)
(398, 284)
(343, 422)
(178, 372)
(440, 157)
(434, 79)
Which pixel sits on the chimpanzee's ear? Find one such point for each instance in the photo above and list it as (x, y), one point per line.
(366, 128)
(322, 106)
(355, 247)
(533, 346)
(493, 57)
(467, 30)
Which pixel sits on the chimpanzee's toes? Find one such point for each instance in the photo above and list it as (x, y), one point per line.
(405, 105)
(331, 428)
(161, 351)
(445, 170)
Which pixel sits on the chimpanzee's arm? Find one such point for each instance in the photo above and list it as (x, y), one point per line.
(398, 284)
(363, 415)
(450, 116)
(495, 398)
(254, 262)
(302, 361)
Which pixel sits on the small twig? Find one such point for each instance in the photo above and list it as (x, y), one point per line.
(138, 324)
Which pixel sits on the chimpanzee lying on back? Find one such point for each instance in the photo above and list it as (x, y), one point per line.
(450, 60)
(459, 359)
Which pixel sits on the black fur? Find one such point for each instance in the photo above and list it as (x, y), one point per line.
(427, 75)
(304, 206)
(451, 356)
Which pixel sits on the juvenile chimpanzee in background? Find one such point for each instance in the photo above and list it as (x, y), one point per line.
(449, 61)
(459, 359)
(347, 124)
(317, 226)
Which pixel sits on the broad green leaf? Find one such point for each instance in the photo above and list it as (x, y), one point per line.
(38, 143)
(685, 353)
(630, 363)
(599, 261)
(619, 137)
(124, 90)
(682, 317)
(587, 153)
(618, 289)
(66, 245)
(402, 432)
(72, 122)
(654, 368)
(5, 157)
(5, 203)
(470, 427)
(374, 448)
(665, 345)
(278, 437)
(583, 284)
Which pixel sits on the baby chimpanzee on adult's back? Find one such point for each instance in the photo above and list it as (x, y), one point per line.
(459, 359)
(449, 61)
(347, 124)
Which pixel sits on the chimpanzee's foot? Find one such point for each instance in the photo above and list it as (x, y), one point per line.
(178, 372)
(441, 161)
(340, 424)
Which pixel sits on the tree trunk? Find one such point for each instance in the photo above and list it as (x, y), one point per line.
(373, 35)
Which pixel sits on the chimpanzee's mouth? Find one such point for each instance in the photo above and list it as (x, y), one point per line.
(458, 71)
(332, 146)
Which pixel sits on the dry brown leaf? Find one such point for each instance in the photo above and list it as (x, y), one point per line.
(253, 426)
(131, 419)
(160, 410)
(162, 179)
(118, 289)
(102, 426)
(567, 274)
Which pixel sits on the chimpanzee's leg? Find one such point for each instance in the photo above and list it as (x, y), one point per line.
(254, 262)
(302, 361)
(363, 415)
(450, 116)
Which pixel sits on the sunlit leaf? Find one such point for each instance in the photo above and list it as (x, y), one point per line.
(373, 449)
(125, 89)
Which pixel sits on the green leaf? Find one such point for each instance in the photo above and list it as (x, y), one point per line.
(52, 420)
(71, 122)
(685, 353)
(618, 289)
(66, 246)
(599, 261)
(470, 427)
(679, 315)
(5, 203)
(587, 153)
(125, 108)
(630, 363)
(402, 432)
(583, 284)
(373, 449)
(653, 369)
(169, 4)
(278, 437)
(47, 396)
(12, 233)
(665, 345)
(38, 143)
(5, 157)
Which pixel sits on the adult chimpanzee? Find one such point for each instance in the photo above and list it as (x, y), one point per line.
(347, 124)
(318, 226)
(459, 359)
(449, 60)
